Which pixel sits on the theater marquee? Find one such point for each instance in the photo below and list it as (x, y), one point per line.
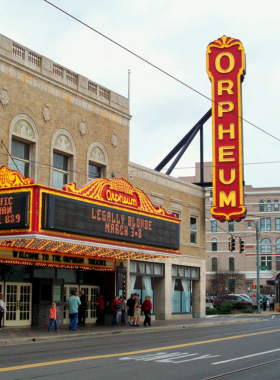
(226, 70)
(87, 228)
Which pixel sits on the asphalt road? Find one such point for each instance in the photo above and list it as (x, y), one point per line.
(237, 351)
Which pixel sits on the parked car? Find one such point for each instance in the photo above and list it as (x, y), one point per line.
(239, 301)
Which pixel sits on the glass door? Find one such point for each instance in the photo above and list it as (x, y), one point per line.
(67, 293)
(18, 302)
(91, 295)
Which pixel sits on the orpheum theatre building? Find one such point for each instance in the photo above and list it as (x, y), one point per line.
(75, 213)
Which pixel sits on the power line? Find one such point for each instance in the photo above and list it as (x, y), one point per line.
(156, 67)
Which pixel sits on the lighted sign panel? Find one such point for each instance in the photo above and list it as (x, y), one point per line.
(226, 68)
(14, 210)
(69, 215)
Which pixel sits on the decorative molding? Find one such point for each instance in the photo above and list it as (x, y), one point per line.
(4, 96)
(12, 178)
(97, 155)
(24, 129)
(82, 127)
(114, 139)
(63, 142)
(46, 113)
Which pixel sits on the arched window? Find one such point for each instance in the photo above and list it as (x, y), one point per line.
(268, 206)
(63, 155)
(98, 161)
(276, 205)
(23, 145)
(277, 246)
(214, 245)
(266, 246)
(261, 206)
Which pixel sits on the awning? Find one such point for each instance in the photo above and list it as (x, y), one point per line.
(272, 280)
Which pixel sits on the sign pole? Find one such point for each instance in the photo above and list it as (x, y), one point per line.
(258, 269)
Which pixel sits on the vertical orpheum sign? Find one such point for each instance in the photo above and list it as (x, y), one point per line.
(226, 68)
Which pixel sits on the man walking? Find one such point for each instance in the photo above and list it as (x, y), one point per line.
(82, 309)
(131, 303)
(271, 302)
(73, 302)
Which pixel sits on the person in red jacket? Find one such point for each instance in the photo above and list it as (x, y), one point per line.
(115, 308)
(147, 308)
(100, 310)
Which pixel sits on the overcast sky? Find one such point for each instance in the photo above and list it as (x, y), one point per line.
(174, 36)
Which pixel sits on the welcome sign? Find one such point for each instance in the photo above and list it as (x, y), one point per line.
(226, 70)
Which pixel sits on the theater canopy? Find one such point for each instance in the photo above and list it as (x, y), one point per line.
(103, 220)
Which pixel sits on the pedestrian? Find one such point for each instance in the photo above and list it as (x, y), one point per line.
(130, 313)
(115, 306)
(123, 308)
(271, 302)
(99, 310)
(53, 318)
(82, 309)
(137, 310)
(147, 308)
(73, 302)
(264, 302)
(3, 310)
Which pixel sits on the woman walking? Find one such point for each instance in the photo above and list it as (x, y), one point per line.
(147, 308)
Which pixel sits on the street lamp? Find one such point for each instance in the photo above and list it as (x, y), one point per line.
(257, 263)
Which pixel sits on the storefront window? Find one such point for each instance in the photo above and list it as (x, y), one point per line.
(158, 269)
(149, 268)
(181, 295)
(44, 273)
(141, 268)
(142, 285)
(133, 266)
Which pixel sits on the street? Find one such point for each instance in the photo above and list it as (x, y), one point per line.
(243, 350)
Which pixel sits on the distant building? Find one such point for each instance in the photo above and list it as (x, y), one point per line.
(262, 207)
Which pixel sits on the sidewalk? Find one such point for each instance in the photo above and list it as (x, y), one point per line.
(31, 334)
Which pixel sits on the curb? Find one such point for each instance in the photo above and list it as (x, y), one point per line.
(56, 338)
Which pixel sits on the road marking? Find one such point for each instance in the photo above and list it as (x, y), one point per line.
(273, 317)
(75, 360)
(164, 357)
(247, 356)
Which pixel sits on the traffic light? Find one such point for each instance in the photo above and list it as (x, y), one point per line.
(232, 244)
(254, 286)
(241, 245)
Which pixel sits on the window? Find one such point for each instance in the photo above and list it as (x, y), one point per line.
(276, 205)
(213, 225)
(231, 264)
(278, 246)
(97, 159)
(20, 154)
(266, 261)
(193, 230)
(230, 226)
(277, 224)
(266, 246)
(231, 285)
(261, 206)
(277, 262)
(268, 206)
(93, 172)
(214, 264)
(265, 224)
(60, 170)
(214, 245)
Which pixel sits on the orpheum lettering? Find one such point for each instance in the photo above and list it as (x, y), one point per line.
(226, 69)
